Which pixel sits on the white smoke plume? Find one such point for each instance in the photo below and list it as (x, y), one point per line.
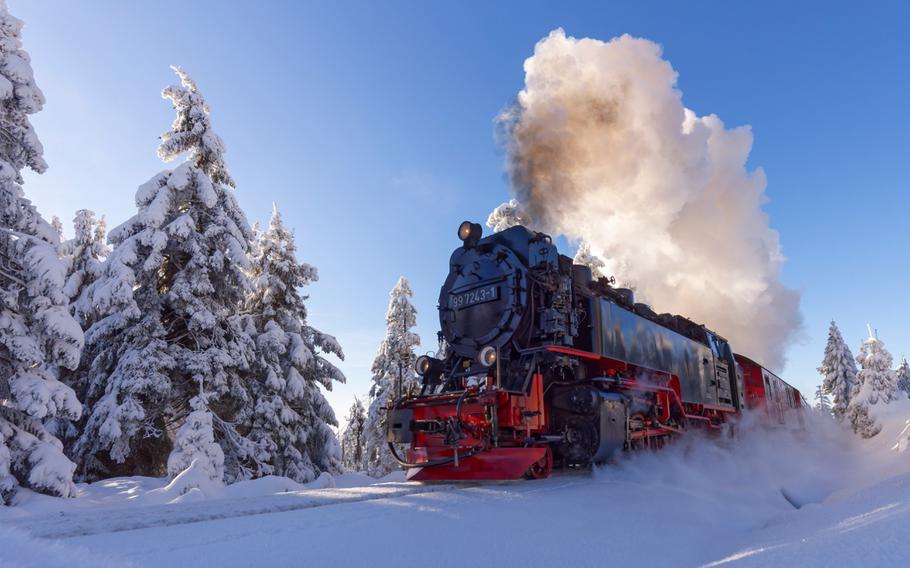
(601, 149)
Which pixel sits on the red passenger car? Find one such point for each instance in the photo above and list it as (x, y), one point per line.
(767, 393)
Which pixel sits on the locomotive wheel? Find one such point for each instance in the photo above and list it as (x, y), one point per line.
(580, 441)
(542, 468)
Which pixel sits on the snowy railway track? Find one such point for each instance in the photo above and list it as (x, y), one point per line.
(110, 520)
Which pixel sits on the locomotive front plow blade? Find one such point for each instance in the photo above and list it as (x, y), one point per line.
(495, 464)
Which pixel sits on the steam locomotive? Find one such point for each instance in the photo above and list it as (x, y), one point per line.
(546, 366)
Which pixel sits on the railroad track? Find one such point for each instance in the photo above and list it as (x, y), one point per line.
(101, 520)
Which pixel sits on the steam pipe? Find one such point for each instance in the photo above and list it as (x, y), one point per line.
(429, 463)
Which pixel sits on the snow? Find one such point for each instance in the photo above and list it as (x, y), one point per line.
(821, 497)
(19, 549)
(6, 88)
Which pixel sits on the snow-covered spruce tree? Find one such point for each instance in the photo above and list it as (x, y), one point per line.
(877, 377)
(352, 443)
(507, 215)
(876, 383)
(194, 444)
(168, 305)
(392, 366)
(291, 421)
(84, 256)
(37, 333)
(858, 416)
(838, 370)
(822, 401)
(57, 224)
(584, 257)
(903, 376)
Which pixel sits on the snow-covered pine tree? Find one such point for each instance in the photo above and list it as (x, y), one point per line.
(37, 333)
(876, 375)
(194, 444)
(392, 366)
(838, 370)
(292, 420)
(84, 256)
(507, 215)
(584, 257)
(168, 305)
(857, 415)
(352, 443)
(876, 383)
(57, 224)
(903, 376)
(822, 401)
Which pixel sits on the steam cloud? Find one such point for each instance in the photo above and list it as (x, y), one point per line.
(601, 149)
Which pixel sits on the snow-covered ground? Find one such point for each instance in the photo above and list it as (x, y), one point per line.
(820, 498)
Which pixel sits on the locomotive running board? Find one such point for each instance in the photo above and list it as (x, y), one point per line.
(495, 464)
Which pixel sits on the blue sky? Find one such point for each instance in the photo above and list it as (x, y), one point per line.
(371, 125)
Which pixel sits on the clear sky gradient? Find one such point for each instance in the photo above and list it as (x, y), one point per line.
(371, 125)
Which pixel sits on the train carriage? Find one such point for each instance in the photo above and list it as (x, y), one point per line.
(768, 394)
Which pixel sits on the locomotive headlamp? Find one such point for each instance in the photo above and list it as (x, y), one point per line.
(487, 356)
(430, 368)
(469, 233)
(422, 365)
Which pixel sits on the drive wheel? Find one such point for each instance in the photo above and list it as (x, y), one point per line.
(580, 438)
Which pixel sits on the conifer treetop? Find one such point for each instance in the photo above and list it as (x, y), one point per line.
(585, 257)
(19, 97)
(507, 215)
(400, 318)
(192, 131)
(903, 376)
(838, 370)
(877, 382)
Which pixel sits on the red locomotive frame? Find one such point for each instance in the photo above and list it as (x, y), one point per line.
(522, 419)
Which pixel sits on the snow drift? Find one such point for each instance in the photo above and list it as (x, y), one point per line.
(21, 550)
(600, 148)
(760, 473)
(726, 501)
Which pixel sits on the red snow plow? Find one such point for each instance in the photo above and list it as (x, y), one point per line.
(473, 434)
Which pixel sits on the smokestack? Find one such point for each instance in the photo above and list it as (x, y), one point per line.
(601, 149)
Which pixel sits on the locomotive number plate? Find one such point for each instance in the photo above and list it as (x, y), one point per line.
(473, 297)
